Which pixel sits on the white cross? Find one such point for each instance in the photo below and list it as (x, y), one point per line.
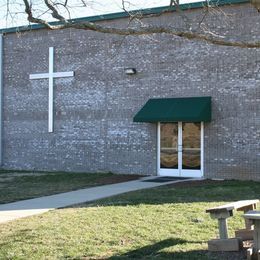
(51, 75)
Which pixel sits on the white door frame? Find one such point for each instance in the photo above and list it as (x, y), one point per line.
(180, 172)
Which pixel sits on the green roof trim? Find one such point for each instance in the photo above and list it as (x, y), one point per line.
(119, 15)
(186, 109)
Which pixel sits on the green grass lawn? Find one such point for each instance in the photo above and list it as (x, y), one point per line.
(24, 185)
(161, 223)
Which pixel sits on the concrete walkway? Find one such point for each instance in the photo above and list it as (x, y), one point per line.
(25, 208)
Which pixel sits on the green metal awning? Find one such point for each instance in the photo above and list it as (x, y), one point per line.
(190, 109)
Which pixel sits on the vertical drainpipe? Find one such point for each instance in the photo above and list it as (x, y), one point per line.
(1, 97)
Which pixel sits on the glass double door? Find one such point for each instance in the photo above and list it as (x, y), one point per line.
(180, 149)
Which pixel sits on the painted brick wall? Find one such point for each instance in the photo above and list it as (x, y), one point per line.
(94, 131)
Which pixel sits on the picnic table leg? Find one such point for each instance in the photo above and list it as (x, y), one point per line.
(248, 222)
(223, 229)
(257, 237)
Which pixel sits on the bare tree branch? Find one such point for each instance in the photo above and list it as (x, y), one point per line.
(65, 6)
(206, 12)
(188, 33)
(55, 13)
(84, 3)
(31, 18)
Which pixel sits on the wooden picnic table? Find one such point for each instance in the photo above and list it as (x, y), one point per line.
(254, 216)
(225, 211)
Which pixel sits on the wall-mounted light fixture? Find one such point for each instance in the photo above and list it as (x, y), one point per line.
(130, 71)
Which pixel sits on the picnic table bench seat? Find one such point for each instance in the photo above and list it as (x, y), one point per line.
(254, 253)
(221, 213)
(243, 205)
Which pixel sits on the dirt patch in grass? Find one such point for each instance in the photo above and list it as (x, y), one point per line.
(24, 185)
(5, 177)
(117, 179)
(195, 183)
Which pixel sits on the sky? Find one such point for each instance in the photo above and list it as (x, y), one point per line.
(17, 17)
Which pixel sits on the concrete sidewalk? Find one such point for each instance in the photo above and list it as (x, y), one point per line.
(40, 205)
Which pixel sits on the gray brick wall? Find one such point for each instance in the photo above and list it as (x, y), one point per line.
(93, 119)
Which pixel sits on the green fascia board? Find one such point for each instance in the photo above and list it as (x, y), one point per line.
(187, 109)
(119, 15)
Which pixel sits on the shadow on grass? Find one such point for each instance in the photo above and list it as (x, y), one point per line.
(150, 250)
(158, 251)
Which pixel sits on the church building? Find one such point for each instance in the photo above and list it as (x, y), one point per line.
(83, 101)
